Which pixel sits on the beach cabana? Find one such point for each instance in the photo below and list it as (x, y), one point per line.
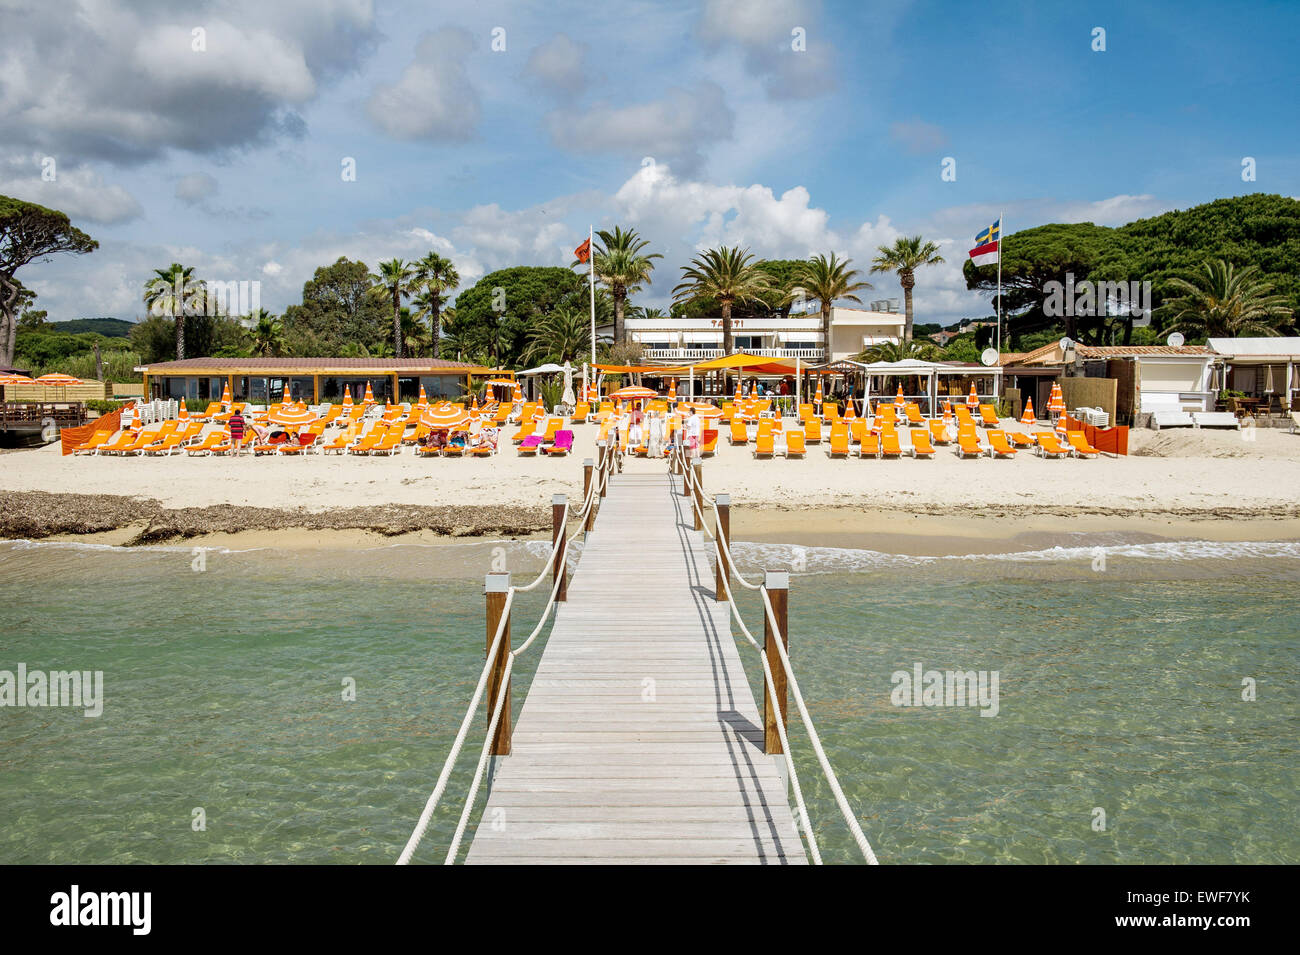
(264, 381)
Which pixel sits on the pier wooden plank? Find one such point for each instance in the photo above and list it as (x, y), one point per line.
(640, 741)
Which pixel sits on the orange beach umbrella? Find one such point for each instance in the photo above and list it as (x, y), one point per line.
(899, 400)
(672, 390)
(369, 399)
(445, 417)
(291, 416)
(1027, 418)
(58, 379)
(634, 393)
(972, 399)
(347, 401)
(225, 395)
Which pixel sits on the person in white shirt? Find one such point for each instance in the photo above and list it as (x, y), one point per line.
(634, 435)
(693, 434)
(655, 436)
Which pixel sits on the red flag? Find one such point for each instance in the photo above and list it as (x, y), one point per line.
(583, 252)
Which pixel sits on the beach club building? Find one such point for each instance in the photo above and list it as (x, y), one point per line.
(1265, 370)
(685, 341)
(261, 381)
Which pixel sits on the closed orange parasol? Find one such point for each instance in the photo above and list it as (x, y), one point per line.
(899, 400)
(369, 399)
(225, 395)
(347, 400)
(1027, 419)
(850, 410)
(672, 390)
(424, 401)
(182, 412)
(972, 399)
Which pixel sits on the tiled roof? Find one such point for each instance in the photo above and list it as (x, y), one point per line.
(1137, 351)
(291, 365)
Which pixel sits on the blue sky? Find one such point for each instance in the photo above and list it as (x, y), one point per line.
(695, 123)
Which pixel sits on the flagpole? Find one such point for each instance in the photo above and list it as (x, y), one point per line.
(591, 258)
(1001, 235)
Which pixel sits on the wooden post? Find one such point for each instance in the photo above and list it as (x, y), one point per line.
(722, 572)
(602, 449)
(699, 496)
(686, 485)
(586, 489)
(778, 591)
(558, 569)
(497, 587)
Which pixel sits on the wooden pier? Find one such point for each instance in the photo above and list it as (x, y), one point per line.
(640, 740)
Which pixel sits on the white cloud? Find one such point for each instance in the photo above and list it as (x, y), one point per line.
(670, 129)
(434, 98)
(76, 190)
(559, 65)
(195, 187)
(783, 43)
(122, 81)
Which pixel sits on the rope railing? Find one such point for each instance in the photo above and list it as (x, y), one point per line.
(722, 554)
(561, 543)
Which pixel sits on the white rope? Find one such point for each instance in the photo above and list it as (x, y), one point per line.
(423, 824)
(793, 685)
(431, 804)
(804, 819)
(483, 758)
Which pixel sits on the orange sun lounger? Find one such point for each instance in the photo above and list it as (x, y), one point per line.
(968, 442)
(999, 446)
(1019, 440)
(870, 446)
(794, 444)
(989, 417)
(937, 431)
(812, 430)
(913, 411)
(96, 441)
(213, 440)
(839, 440)
(921, 446)
(764, 444)
(1049, 447)
(1080, 446)
(739, 433)
(889, 446)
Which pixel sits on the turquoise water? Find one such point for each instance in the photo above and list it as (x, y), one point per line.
(1119, 689)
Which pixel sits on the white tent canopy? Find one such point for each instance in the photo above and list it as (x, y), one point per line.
(548, 369)
(929, 370)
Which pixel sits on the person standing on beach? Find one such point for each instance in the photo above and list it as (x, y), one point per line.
(693, 434)
(655, 440)
(236, 429)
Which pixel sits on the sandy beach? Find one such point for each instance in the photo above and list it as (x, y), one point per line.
(1178, 484)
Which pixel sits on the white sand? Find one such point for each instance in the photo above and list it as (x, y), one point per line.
(1182, 472)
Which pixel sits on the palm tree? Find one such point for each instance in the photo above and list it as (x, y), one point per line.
(393, 280)
(898, 351)
(1225, 303)
(175, 293)
(415, 334)
(562, 335)
(905, 256)
(727, 275)
(827, 280)
(267, 333)
(623, 267)
(438, 276)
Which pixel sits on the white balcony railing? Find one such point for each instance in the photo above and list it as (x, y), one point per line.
(704, 354)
